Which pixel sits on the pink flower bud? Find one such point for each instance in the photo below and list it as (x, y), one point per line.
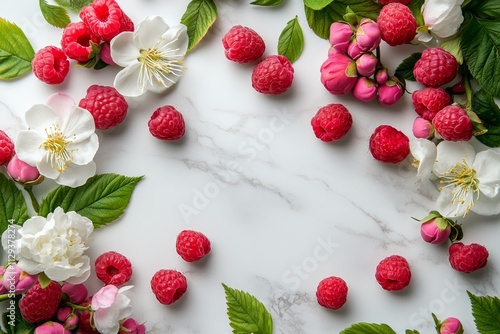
(368, 35)
(423, 128)
(51, 327)
(435, 231)
(451, 326)
(353, 50)
(105, 54)
(63, 313)
(131, 326)
(76, 293)
(3, 290)
(15, 279)
(71, 322)
(365, 89)
(21, 172)
(338, 74)
(382, 76)
(340, 36)
(389, 93)
(366, 64)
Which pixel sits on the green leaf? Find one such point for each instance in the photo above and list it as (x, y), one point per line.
(487, 8)
(43, 280)
(291, 40)
(405, 69)
(267, 2)
(198, 18)
(486, 313)
(481, 49)
(317, 4)
(73, 5)
(416, 9)
(247, 314)
(13, 207)
(412, 331)
(102, 199)
(483, 104)
(54, 15)
(16, 51)
(366, 328)
(453, 47)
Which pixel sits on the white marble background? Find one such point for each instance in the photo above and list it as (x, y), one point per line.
(282, 209)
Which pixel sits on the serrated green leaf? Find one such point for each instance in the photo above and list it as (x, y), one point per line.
(291, 40)
(267, 2)
(317, 4)
(73, 5)
(366, 328)
(412, 331)
(483, 104)
(247, 314)
(13, 207)
(198, 18)
(54, 15)
(102, 199)
(453, 47)
(416, 9)
(480, 42)
(487, 9)
(405, 69)
(486, 313)
(16, 52)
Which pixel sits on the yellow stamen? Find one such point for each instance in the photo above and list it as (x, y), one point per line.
(57, 145)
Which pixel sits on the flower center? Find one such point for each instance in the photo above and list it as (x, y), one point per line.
(57, 144)
(158, 62)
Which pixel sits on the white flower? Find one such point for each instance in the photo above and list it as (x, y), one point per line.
(424, 155)
(152, 57)
(442, 19)
(61, 141)
(55, 245)
(110, 306)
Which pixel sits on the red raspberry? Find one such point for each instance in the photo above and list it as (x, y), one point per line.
(39, 304)
(107, 106)
(50, 65)
(429, 101)
(75, 41)
(386, 2)
(243, 45)
(192, 245)
(167, 123)
(6, 148)
(331, 122)
(467, 258)
(452, 123)
(388, 144)
(332, 292)
(435, 67)
(273, 75)
(113, 268)
(168, 285)
(397, 24)
(393, 273)
(106, 19)
(85, 324)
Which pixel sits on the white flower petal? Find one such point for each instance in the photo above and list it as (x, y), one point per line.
(28, 146)
(40, 117)
(46, 169)
(487, 167)
(487, 206)
(79, 125)
(105, 297)
(158, 87)
(126, 81)
(449, 153)
(177, 38)
(85, 150)
(76, 175)
(149, 32)
(123, 50)
(449, 208)
(60, 103)
(424, 151)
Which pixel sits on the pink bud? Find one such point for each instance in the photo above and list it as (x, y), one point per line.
(365, 89)
(366, 64)
(71, 322)
(21, 172)
(389, 93)
(353, 50)
(63, 313)
(338, 74)
(423, 128)
(451, 326)
(105, 54)
(434, 234)
(340, 36)
(368, 35)
(132, 327)
(51, 327)
(3, 290)
(382, 76)
(15, 279)
(76, 293)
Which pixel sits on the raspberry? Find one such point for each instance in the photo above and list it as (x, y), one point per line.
(397, 24)
(386, 2)
(453, 124)
(6, 148)
(435, 67)
(192, 245)
(113, 268)
(85, 325)
(243, 45)
(106, 19)
(273, 75)
(167, 123)
(107, 106)
(331, 122)
(388, 144)
(332, 292)
(50, 65)
(40, 304)
(168, 285)
(75, 41)
(467, 258)
(429, 101)
(393, 273)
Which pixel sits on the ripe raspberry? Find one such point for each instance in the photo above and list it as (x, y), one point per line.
(393, 273)
(332, 292)
(386, 2)
(167, 123)
(273, 75)
(168, 285)
(397, 24)
(75, 41)
(331, 122)
(388, 144)
(243, 45)
(192, 245)
(39, 304)
(452, 123)
(107, 106)
(113, 268)
(50, 65)
(106, 19)
(429, 101)
(435, 67)
(6, 148)
(467, 258)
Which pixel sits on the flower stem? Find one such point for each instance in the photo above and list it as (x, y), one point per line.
(79, 307)
(468, 88)
(34, 201)
(4, 297)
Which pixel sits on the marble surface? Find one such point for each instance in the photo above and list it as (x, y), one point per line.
(282, 209)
